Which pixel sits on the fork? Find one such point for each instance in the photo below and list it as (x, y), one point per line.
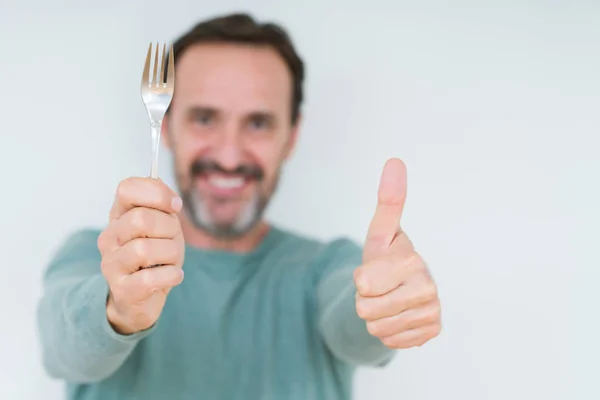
(157, 93)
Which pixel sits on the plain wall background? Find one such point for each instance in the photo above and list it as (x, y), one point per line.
(494, 107)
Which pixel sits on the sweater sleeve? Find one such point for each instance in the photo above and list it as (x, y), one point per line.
(344, 332)
(77, 343)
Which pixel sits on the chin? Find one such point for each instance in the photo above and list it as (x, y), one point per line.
(244, 221)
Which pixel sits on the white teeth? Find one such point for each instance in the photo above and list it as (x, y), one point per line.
(226, 183)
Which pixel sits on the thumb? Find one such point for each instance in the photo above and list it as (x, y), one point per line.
(385, 224)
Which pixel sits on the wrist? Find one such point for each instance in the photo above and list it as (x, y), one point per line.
(114, 318)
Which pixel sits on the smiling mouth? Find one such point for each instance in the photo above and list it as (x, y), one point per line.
(224, 185)
(221, 182)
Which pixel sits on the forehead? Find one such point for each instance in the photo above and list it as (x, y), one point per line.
(232, 76)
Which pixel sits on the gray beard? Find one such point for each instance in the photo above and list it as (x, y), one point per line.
(198, 212)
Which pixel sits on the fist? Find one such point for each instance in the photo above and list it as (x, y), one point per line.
(396, 295)
(142, 252)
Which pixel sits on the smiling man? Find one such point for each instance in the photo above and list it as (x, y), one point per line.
(263, 313)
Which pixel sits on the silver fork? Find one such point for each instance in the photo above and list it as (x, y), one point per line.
(157, 93)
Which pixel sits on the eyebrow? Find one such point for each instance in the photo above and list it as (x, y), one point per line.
(202, 110)
(212, 111)
(269, 116)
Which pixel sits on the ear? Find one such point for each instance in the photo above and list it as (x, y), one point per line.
(291, 143)
(164, 132)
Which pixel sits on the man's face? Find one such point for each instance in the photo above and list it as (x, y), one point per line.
(230, 130)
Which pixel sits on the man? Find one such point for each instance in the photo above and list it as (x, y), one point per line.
(263, 313)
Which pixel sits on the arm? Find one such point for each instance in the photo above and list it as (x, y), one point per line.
(77, 342)
(342, 329)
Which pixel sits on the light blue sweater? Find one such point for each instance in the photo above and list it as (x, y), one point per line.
(277, 323)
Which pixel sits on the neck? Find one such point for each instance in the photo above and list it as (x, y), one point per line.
(201, 239)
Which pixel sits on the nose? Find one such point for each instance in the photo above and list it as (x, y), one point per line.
(228, 151)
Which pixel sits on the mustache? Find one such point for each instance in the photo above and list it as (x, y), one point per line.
(202, 166)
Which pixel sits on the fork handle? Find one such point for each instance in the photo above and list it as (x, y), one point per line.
(156, 128)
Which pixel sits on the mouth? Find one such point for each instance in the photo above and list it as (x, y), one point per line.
(224, 185)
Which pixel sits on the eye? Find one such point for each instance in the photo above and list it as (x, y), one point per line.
(259, 123)
(204, 118)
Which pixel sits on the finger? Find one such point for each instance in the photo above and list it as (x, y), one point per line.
(410, 319)
(141, 253)
(413, 337)
(144, 283)
(391, 197)
(402, 244)
(139, 222)
(107, 241)
(144, 192)
(408, 296)
(142, 222)
(384, 274)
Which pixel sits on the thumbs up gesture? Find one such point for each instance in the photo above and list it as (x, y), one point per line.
(396, 296)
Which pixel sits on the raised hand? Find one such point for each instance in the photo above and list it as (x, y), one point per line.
(396, 295)
(143, 231)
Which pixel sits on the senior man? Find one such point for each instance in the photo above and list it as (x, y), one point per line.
(263, 313)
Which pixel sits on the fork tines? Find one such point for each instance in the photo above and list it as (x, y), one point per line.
(163, 70)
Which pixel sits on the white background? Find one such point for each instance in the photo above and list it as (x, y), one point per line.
(494, 107)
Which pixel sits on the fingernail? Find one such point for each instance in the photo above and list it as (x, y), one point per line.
(176, 204)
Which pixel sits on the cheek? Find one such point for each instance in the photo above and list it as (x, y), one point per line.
(186, 149)
(269, 155)
(183, 156)
(185, 142)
